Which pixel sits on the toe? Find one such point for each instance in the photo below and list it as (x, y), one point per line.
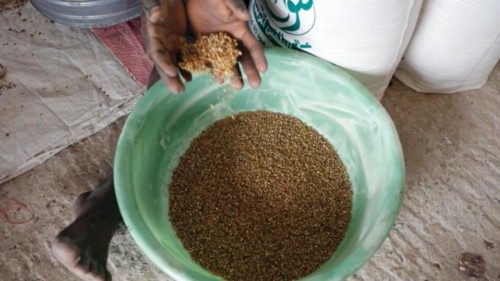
(99, 272)
(89, 270)
(82, 266)
(92, 271)
(67, 253)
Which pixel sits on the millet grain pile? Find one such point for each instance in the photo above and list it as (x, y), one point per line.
(260, 196)
(217, 52)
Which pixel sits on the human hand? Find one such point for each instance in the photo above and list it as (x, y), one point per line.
(165, 25)
(206, 16)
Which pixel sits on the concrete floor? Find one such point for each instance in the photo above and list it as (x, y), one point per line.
(451, 203)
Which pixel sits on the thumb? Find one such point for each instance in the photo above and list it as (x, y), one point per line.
(239, 9)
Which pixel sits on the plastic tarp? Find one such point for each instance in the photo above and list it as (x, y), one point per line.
(61, 85)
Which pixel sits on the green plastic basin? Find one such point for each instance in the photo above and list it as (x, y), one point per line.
(162, 125)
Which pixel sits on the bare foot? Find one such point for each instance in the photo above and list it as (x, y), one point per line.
(83, 246)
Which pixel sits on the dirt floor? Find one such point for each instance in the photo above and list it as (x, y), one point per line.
(451, 204)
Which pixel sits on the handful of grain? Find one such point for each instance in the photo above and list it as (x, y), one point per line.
(215, 51)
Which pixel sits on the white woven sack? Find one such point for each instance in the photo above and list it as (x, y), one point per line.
(455, 46)
(365, 37)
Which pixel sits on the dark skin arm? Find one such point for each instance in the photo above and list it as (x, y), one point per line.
(165, 23)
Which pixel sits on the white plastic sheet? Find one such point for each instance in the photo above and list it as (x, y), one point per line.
(455, 47)
(367, 38)
(65, 86)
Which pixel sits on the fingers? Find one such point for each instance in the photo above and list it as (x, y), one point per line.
(161, 57)
(250, 69)
(253, 59)
(236, 79)
(239, 9)
(173, 83)
(255, 49)
(158, 53)
(163, 63)
(168, 72)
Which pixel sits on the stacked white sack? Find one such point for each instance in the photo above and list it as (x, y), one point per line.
(366, 38)
(455, 47)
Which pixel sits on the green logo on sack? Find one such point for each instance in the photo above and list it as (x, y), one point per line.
(294, 17)
(283, 22)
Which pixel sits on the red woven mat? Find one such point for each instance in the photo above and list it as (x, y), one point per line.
(126, 43)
